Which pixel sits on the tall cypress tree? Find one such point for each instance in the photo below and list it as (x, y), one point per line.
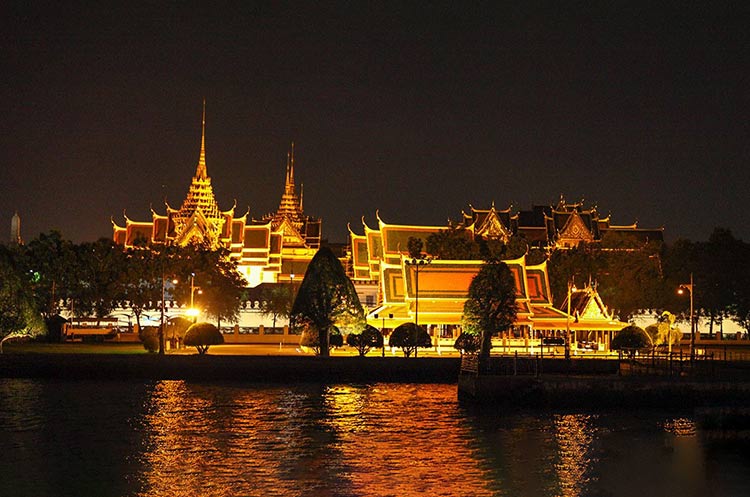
(326, 298)
(491, 306)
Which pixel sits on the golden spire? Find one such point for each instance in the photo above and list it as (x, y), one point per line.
(291, 169)
(200, 172)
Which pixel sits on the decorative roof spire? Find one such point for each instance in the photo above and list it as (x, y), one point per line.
(200, 172)
(289, 185)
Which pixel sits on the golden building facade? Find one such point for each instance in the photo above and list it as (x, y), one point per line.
(268, 250)
(433, 293)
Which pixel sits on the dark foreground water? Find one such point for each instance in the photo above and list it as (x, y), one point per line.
(172, 438)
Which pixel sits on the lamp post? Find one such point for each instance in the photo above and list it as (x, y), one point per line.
(193, 311)
(681, 290)
(418, 263)
(291, 303)
(161, 321)
(567, 323)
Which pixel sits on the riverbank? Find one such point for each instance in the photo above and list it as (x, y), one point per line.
(555, 390)
(258, 369)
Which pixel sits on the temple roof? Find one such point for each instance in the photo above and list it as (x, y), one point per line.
(199, 218)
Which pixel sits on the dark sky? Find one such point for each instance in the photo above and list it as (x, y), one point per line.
(417, 111)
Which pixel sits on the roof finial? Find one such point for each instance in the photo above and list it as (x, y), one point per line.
(288, 162)
(291, 171)
(301, 196)
(200, 172)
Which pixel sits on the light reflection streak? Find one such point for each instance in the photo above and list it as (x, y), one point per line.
(574, 434)
(337, 441)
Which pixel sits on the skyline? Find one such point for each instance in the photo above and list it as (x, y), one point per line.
(413, 112)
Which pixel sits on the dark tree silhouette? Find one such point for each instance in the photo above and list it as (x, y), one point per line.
(326, 298)
(491, 307)
(409, 337)
(202, 336)
(368, 339)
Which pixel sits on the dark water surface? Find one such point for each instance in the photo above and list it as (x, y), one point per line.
(173, 438)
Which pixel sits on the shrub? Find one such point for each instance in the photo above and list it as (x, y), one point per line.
(630, 340)
(310, 337)
(363, 342)
(467, 342)
(202, 336)
(408, 337)
(149, 336)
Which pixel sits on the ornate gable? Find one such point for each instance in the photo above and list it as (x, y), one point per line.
(492, 227)
(574, 231)
(290, 233)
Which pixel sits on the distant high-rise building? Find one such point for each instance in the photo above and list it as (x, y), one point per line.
(15, 230)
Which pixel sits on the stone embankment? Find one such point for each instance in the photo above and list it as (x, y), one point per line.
(259, 369)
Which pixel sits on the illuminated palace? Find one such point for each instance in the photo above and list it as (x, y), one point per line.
(433, 293)
(267, 250)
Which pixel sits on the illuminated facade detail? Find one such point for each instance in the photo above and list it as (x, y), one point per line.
(574, 232)
(564, 225)
(269, 250)
(490, 224)
(444, 288)
(568, 224)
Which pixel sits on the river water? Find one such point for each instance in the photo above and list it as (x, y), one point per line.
(174, 438)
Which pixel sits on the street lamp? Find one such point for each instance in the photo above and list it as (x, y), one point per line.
(688, 287)
(161, 323)
(193, 311)
(291, 303)
(382, 331)
(418, 263)
(567, 322)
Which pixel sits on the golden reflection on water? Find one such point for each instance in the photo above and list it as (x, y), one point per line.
(400, 440)
(391, 448)
(317, 440)
(573, 433)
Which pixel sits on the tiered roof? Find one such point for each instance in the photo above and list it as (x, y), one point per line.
(199, 219)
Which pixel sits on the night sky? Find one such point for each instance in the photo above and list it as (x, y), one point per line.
(417, 111)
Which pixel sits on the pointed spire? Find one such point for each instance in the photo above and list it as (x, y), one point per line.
(301, 196)
(288, 162)
(200, 172)
(291, 169)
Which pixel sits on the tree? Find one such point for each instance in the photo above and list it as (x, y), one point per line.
(276, 301)
(175, 328)
(141, 281)
(326, 298)
(52, 261)
(630, 340)
(15, 294)
(98, 288)
(628, 279)
(454, 243)
(491, 306)
(409, 337)
(149, 337)
(223, 286)
(202, 336)
(310, 337)
(368, 339)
